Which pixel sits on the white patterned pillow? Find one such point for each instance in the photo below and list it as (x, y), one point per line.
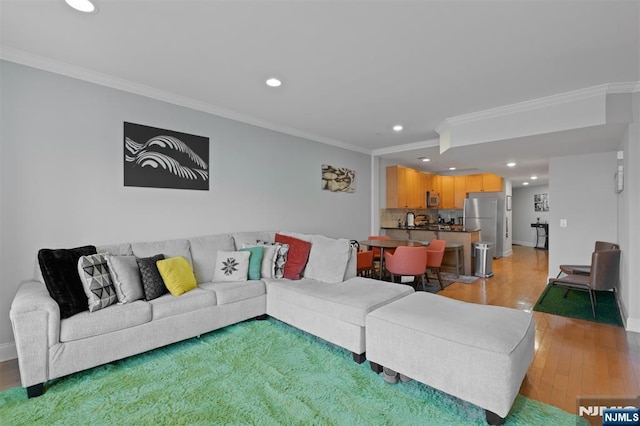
(281, 257)
(231, 266)
(96, 281)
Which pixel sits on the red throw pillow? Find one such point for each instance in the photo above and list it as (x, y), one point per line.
(297, 256)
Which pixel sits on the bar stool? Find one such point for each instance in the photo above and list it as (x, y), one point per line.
(458, 250)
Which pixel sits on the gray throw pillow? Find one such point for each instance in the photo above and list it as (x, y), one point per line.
(125, 275)
(152, 283)
(96, 281)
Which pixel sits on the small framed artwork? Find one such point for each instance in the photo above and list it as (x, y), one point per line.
(338, 179)
(541, 202)
(160, 158)
(508, 203)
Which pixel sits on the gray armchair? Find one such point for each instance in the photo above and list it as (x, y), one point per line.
(585, 269)
(604, 273)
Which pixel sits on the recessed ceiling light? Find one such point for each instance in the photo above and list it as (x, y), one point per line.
(273, 82)
(398, 127)
(452, 168)
(85, 6)
(525, 183)
(425, 159)
(511, 164)
(534, 177)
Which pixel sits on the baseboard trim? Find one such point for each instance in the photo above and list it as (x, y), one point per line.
(8, 351)
(523, 243)
(633, 324)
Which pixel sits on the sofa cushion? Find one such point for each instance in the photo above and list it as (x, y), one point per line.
(125, 274)
(328, 259)
(177, 275)
(297, 256)
(169, 248)
(229, 292)
(96, 281)
(204, 251)
(123, 249)
(60, 272)
(349, 301)
(231, 266)
(241, 238)
(113, 318)
(169, 305)
(152, 283)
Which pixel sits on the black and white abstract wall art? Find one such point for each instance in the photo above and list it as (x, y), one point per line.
(160, 158)
(338, 179)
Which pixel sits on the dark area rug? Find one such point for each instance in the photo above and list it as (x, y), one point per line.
(577, 305)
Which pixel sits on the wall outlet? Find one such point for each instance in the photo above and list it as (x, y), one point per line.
(563, 223)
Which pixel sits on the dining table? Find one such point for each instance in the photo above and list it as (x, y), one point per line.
(390, 244)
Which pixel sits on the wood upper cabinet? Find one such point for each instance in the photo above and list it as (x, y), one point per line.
(474, 183)
(407, 188)
(447, 192)
(485, 182)
(491, 183)
(460, 191)
(396, 187)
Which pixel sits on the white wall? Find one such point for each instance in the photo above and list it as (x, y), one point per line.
(62, 177)
(524, 214)
(581, 191)
(629, 232)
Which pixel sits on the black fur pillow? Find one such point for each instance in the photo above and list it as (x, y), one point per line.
(60, 272)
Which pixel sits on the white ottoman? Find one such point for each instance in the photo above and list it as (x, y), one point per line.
(477, 353)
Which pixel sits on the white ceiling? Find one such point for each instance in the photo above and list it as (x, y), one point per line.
(350, 69)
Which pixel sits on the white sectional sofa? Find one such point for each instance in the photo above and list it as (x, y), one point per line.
(50, 347)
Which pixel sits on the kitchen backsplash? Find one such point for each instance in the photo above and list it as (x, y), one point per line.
(389, 217)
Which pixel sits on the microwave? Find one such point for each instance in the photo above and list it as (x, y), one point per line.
(433, 199)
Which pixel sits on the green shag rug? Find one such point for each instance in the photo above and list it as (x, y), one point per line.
(578, 305)
(256, 372)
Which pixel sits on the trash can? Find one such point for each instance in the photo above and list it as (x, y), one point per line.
(483, 259)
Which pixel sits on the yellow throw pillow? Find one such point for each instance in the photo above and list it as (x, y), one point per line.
(177, 275)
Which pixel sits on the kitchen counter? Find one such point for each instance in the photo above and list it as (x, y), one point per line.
(440, 228)
(464, 237)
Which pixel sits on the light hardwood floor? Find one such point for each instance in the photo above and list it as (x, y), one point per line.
(572, 357)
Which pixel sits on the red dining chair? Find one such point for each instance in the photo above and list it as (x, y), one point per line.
(365, 263)
(435, 251)
(376, 250)
(406, 261)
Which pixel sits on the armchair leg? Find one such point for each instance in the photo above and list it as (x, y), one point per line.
(592, 297)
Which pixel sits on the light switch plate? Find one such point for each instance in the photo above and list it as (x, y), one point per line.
(563, 223)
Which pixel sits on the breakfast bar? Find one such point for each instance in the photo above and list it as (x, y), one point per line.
(451, 236)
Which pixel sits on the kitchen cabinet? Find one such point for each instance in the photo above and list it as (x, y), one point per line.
(485, 182)
(447, 192)
(460, 191)
(407, 188)
(491, 183)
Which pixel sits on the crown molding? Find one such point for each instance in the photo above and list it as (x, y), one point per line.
(406, 147)
(545, 102)
(91, 76)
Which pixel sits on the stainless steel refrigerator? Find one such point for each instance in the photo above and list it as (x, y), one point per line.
(485, 211)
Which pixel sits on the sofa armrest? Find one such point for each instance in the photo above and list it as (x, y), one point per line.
(35, 318)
